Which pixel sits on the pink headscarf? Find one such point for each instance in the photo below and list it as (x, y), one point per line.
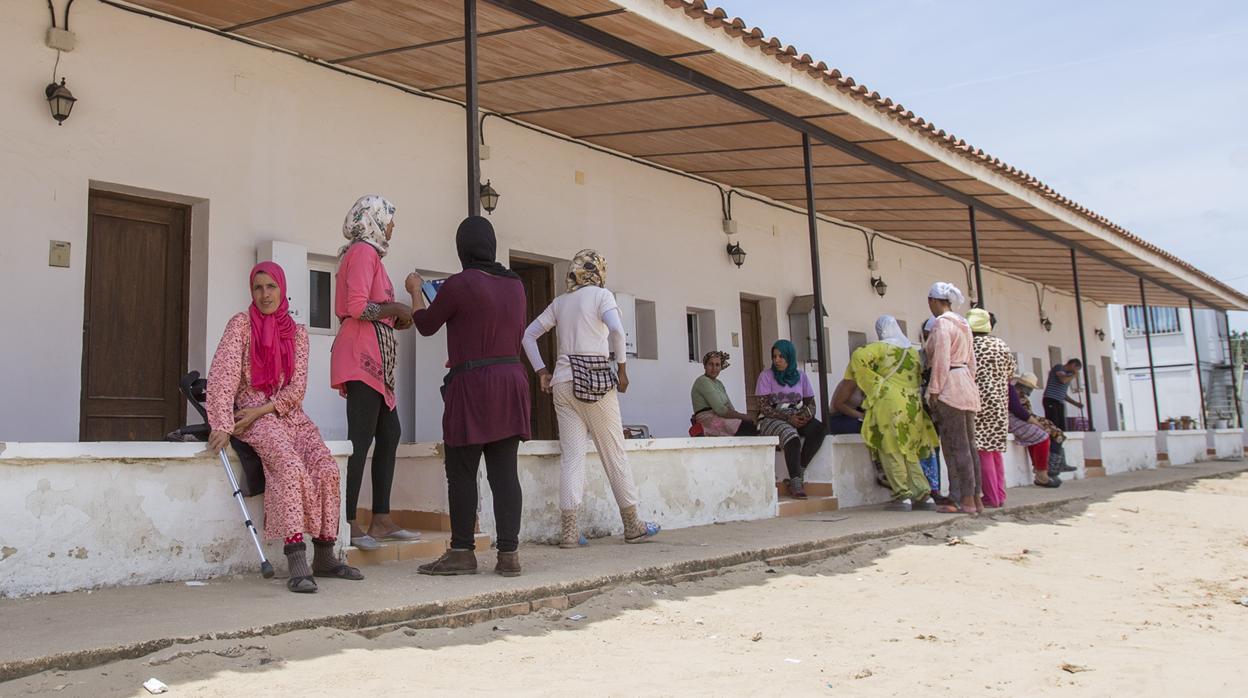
(272, 337)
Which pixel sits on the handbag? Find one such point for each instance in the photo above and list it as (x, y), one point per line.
(592, 377)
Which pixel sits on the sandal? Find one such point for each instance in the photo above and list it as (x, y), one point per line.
(1052, 483)
(342, 571)
(948, 509)
(301, 585)
(366, 542)
(401, 535)
(651, 530)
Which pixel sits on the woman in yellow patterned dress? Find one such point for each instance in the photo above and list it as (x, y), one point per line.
(896, 428)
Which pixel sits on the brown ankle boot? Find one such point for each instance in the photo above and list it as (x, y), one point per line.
(570, 534)
(452, 562)
(508, 564)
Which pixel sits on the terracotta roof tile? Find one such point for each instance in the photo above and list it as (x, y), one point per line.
(698, 9)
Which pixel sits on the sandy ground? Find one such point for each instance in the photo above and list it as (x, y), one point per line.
(1135, 596)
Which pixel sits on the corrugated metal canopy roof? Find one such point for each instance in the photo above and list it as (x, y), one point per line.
(876, 164)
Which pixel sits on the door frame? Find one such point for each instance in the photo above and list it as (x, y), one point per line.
(183, 341)
(537, 261)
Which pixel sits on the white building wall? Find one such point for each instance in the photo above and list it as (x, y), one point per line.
(268, 147)
(1174, 361)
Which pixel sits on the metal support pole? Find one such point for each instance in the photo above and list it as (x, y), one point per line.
(1230, 359)
(979, 273)
(813, 223)
(470, 108)
(1148, 342)
(1200, 380)
(1083, 343)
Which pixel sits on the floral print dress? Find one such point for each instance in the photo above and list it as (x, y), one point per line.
(301, 492)
(895, 422)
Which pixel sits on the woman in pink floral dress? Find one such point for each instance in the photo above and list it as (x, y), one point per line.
(255, 393)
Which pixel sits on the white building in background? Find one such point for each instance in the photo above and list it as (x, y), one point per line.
(1175, 344)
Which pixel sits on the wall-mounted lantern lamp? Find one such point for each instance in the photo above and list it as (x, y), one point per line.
(489, 197)
(1045, 322)
(736, 253)
(880, 287)
(60, 101)
(1100, 334)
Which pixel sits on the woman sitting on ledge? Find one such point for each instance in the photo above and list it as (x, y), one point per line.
(786, 400)
(255, 393)
(712, 408)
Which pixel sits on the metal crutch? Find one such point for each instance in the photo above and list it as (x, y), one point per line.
(266, 567)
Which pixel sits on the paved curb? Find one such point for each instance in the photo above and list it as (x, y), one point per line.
(490, 606)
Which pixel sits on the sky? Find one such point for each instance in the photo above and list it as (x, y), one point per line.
(1133, 109)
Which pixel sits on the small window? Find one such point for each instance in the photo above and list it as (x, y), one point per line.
(1037, 367)
(1092, 378)
(700, 332)
(856, 340)
(1160, 320)
(321, 318)
(647, 330)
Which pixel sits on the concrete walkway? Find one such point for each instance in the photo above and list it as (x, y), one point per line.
(81, 629)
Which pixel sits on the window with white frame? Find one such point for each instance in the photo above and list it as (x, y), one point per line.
(1160, 320)
(321, 275)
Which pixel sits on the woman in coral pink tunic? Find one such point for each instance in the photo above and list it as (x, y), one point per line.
(255, 393)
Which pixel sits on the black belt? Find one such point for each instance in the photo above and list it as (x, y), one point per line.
(475, 363)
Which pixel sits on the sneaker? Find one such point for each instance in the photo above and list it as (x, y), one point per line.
(899, 505)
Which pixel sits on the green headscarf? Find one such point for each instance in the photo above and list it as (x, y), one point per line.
(789, 376)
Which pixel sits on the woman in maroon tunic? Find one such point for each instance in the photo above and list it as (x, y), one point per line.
(486, 393)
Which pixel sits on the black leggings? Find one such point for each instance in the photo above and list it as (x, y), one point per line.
(747, 428)
(799, 452)
(461, 486)
(369, 419)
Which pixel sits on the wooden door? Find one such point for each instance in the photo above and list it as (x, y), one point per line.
(751, 349)
(134, 319)
(539, 290)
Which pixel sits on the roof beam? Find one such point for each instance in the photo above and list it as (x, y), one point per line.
(613, 44)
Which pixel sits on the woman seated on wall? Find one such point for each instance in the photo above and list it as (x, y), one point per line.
(712, 408)
(1035, 433)
(847, 414)
(787, 407)
(896, 430)
(255, 393)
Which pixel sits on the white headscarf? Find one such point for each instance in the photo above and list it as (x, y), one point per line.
(367, 221)
(889, 331)
(945, 291)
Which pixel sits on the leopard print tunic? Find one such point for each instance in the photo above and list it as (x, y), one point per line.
(994, 365)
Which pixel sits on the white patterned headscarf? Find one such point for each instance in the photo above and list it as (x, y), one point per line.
(889, 330)
(366, 222)
(945, 291)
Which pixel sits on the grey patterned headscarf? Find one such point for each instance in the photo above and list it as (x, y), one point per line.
(366, 222)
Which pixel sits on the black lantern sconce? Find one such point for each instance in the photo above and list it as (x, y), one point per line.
(880, 287)
(489, 197)
(1100, 334)
(60, 101)
(1045, 322)
(736, 253)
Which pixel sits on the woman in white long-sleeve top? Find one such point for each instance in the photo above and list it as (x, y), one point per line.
(584, 384)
